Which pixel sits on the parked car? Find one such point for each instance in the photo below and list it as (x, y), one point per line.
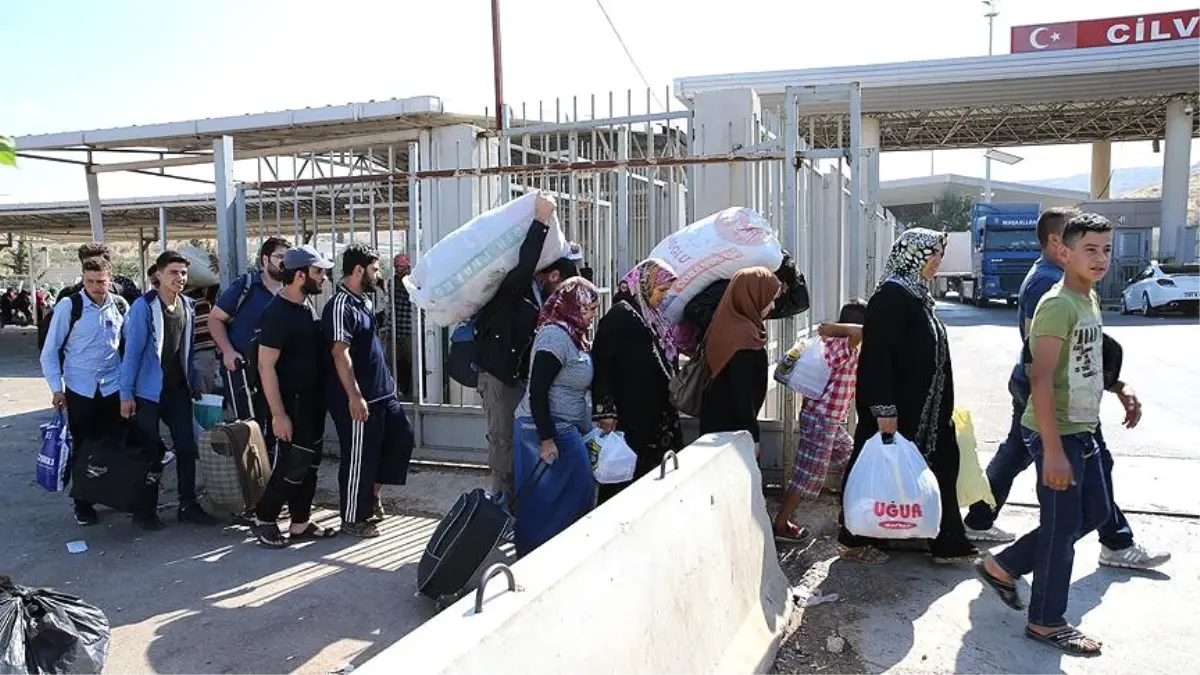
(1163, 287)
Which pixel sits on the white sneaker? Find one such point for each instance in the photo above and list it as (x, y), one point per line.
(1135, 557)
(992, 534)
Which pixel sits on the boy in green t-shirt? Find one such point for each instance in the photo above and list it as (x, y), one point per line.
(1060, 423)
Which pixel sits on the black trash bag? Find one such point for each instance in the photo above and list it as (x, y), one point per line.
(44, 631)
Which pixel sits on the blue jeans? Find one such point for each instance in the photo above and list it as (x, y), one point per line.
(1012, 457)
(1048, 552)
(173, 408)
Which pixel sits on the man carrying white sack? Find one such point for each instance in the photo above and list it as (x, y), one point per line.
(504, 331)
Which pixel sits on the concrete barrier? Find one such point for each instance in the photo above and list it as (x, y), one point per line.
(677, 574)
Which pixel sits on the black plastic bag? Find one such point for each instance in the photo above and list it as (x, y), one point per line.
(44, 631)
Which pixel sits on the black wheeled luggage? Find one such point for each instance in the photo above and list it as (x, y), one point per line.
(465, 538)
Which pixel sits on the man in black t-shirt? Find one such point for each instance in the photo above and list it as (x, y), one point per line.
(373, 431)
(291, 367)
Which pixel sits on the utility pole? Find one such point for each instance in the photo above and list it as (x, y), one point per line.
(497, 66)
(990, 12)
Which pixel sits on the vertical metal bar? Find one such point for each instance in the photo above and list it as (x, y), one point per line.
(391, 216)
(95, 210)
(226, 198)
(791, 235)
(371, 210)
(572, 189)
(855, 156)
(295, 199)
(497, 66)
(162, 229)
(352, 188)
(414, 247)
(622, 205)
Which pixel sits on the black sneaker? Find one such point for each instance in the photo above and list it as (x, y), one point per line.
(192, 513)
(85, 515)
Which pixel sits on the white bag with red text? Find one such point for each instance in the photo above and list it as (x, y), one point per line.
(715, 248)
(891, 493)
(462, 272)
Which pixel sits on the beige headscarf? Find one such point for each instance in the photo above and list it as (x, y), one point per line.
(738, 321)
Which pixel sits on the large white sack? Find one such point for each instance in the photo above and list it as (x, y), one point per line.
(713, 249)
(461, 273)
(201, 271)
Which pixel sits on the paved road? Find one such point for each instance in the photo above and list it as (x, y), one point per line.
(1157, 464)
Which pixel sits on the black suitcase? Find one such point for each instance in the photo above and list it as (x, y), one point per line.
(116, 471)
(465, 538)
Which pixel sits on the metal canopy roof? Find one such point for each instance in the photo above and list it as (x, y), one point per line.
(926, 189)
(262, 131)
(1069, 96)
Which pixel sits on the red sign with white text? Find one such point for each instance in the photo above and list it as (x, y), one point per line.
(1125, 30)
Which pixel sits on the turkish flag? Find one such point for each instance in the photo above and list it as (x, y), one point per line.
(1044, 37)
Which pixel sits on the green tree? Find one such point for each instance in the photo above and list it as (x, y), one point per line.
(8, 151)
(18, 258)
(951, 213)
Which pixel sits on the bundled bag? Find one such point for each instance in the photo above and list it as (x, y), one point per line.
(54, 455)
(44, 631)
(891, 493)
(803, 368)
(687, 386)
(461, 273)
(973, 485)
(712, 249)
(613, 461)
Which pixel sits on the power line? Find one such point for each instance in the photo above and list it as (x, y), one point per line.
(629, 54)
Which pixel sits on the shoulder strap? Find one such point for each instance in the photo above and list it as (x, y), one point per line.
(247, 281)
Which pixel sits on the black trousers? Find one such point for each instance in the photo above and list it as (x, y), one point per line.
(375, 452)
(90, 418)
(294, 472)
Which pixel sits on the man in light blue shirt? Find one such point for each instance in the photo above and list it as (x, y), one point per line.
(81, 363)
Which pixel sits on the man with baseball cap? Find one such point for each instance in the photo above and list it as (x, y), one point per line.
(292, 369)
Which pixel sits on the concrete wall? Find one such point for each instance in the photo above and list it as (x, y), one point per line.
(675, 575)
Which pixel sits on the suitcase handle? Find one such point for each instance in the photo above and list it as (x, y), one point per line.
(662, 466)
(493, 571)
(241, 368)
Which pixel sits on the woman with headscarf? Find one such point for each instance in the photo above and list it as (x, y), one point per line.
(553, 474)
(635, 360)
(735, 347)
(906, 385)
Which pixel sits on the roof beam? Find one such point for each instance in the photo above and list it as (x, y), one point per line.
(347, 142)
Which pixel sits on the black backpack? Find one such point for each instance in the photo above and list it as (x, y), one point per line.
(77, 314)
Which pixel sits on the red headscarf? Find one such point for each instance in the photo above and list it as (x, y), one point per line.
(564, 308)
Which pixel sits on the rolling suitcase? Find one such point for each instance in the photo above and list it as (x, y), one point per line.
(465, 538)
(234, 460)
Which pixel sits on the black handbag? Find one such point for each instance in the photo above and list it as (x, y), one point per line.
(116, 471)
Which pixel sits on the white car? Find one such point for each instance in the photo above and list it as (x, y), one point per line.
(1163, 287)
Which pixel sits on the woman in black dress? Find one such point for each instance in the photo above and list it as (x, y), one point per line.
(906, 385)
(735, 347)
(634, 359)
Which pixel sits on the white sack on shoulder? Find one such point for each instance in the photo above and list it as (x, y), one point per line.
(462, 272)
(715, 248)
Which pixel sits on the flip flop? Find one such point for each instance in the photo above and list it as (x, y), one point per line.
(1006, 590)
(268, 535)
(314, 531)
(1068, 640)
(790, 533)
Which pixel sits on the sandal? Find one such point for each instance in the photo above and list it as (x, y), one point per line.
(863, 555)
(268, 535)
(790, 533)
(1005, 589)
(1068, 639)
(314, 531)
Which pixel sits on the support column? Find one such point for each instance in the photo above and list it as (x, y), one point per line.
(1101, 168)
(95, 212)
(860, 262)
(227, 221)
(445, 204)
(1176, 162)
(162, 229)
(724, 121)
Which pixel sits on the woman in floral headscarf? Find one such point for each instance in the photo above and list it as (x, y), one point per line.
(635, 359)
(906, 385)
(550, 463)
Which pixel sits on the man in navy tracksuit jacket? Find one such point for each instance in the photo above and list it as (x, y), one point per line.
(158, 379)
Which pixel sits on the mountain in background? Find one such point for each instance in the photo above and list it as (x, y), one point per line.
(1124, 181)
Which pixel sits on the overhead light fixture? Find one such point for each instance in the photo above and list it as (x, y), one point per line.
(1002, 157)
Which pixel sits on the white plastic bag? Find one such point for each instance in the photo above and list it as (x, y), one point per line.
(804, 369)
(712, 249)
(891, 493)
(461, 273)
(616, 462)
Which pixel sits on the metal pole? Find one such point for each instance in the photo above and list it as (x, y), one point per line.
(987, 179)
(991, 19)
(497, 66)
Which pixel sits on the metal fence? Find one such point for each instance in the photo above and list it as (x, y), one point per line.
(624, 180)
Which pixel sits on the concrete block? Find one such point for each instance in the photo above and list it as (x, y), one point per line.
(678, 574)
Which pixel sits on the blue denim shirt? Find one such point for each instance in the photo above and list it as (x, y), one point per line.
(1041, 277)
(91, 358)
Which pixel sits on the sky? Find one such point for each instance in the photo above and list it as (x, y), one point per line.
(74, 65)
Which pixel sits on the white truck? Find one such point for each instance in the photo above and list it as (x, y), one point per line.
(957, 265)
